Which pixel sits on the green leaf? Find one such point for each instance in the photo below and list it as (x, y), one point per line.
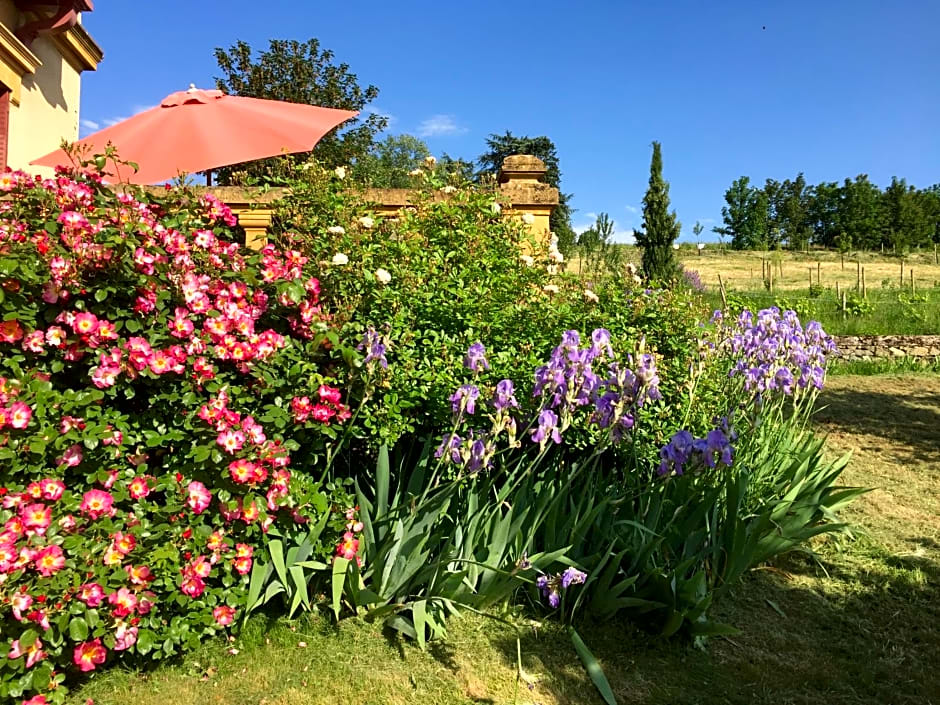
(420, 618)
(276, 549)
(255, 585)
(78, 629)
(145, 640)
(593, 668)
(101, 295)
(339, 579)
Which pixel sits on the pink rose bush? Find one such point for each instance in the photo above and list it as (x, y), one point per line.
(163, 393)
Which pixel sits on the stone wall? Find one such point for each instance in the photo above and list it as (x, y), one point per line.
(873, 347)
(520, 187)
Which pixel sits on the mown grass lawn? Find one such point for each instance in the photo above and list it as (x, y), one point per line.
(858, 622)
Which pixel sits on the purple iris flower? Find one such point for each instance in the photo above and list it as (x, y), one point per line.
(451, 446)
(675, 454)
(547, 428)
(372, 342)
(476, 358)
(464, 399)
(572, 576)
(504, 396)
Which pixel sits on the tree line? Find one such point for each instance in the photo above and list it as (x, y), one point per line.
(855, 214)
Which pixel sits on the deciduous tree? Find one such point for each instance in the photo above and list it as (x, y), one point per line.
(302, 72)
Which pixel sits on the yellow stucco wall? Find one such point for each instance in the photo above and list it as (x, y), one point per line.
(48, 109)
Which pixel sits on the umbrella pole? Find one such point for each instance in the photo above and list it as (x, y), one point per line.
(208, 177)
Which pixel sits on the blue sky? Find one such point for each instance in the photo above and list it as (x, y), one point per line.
(766, 89)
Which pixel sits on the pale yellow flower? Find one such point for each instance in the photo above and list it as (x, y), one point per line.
(336, 230)
(339, 259)
(340, 172)
(366, 222)
(550, 289)
(383, 275)
(590, 296)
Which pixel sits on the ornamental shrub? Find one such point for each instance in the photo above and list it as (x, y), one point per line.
(452, 270)
(160, 386)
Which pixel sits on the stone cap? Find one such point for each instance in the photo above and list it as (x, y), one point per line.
(524, 168)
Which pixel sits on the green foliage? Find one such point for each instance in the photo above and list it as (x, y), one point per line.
(660, 227)
(456, 277)
(657, 548)
(390, 163)
(742, 222)
(855, 214)
(598, 253)
(300, 72)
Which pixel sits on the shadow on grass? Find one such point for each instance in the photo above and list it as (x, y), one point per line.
(860, 626)
(908, 419)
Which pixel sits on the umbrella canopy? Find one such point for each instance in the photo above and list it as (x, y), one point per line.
(197, 130)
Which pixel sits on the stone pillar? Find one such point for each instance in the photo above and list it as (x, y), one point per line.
(521, 182)
(254, 209)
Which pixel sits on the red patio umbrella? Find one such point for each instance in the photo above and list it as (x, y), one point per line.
(200, 130)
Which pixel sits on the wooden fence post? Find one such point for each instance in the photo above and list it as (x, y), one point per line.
(864, 292)
(858, 275)
(724, 298)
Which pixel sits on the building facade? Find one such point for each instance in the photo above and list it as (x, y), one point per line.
(43, 51)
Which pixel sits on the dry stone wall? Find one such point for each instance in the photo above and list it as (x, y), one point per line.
(875, 347)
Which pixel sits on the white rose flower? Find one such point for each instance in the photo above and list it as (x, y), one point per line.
(448, 189)
(415, 172)
(637, 279)
(527, 260)
(340, 172)
(590, 296)
(339, 259)
(550, 289)
(495, 208)
(631, 267)
(366, 222)
(528, 218)
(383, 275)
(336, 230)
(430, 161)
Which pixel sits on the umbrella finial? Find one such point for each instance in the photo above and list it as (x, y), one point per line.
(192, 88)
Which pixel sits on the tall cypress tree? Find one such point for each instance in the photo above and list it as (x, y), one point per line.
(660, 227)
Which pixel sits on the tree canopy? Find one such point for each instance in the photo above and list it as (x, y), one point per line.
(302, 72)
(854, 214)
